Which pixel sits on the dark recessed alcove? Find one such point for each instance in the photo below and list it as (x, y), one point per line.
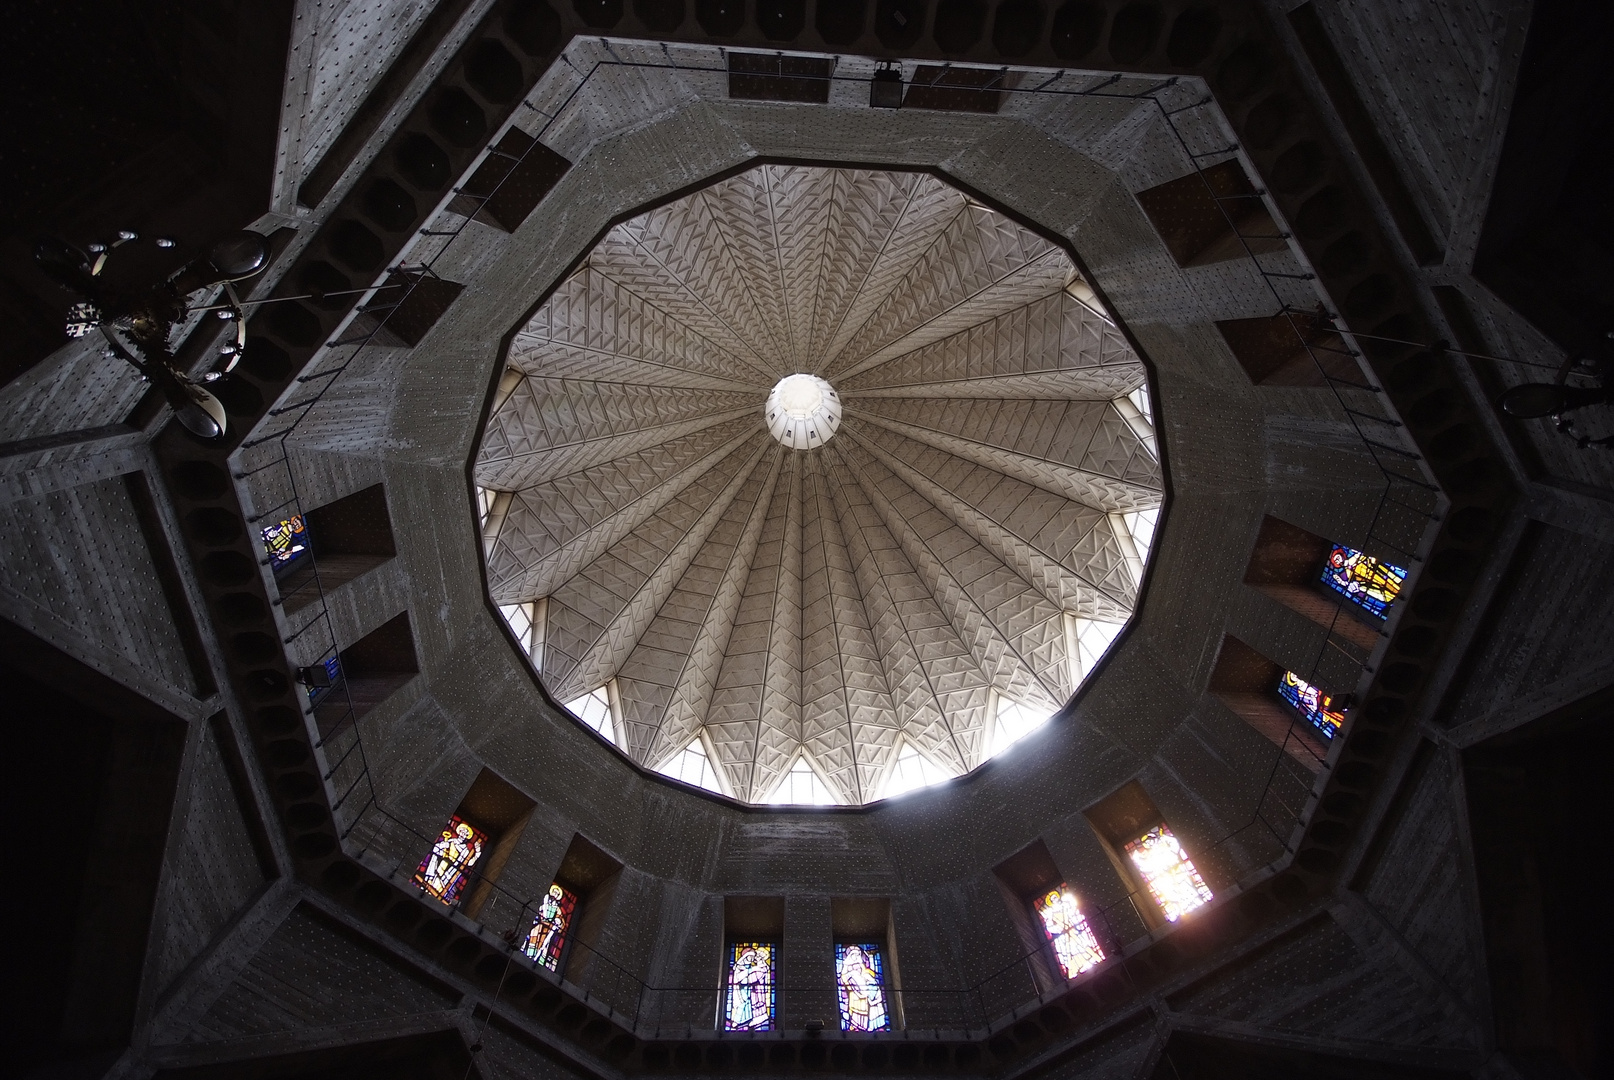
(1211, 216)
(372, 670)
(90, 779)
(1536, 800)
(1247, 682)
(1547, 246)
(347, 537)
(1287, 565)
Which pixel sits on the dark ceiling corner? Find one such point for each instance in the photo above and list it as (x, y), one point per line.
(161, 117)
(1548, 242)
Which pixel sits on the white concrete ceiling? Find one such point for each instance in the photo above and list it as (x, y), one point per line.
(986, 501)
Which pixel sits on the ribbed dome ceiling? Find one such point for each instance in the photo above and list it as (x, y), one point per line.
(969, 541)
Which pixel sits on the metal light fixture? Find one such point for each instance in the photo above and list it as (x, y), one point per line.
(139, 322)
(885, 89)
(1534, 400)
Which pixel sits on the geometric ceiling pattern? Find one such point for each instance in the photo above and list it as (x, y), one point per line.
(955, 560)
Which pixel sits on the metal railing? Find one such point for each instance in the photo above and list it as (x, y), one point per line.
(1406, 506)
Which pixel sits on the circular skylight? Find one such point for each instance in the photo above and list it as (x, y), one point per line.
(803, 411)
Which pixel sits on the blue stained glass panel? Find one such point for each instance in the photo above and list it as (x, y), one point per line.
(860, 981)
(750, 993)
(1314, 705)
(285, 541)
(1363, 579)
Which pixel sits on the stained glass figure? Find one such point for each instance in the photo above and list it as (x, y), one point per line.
(285, 541)
(1314, 705)
(1165, 868)
(750, 996)
(546, 941)
(860, 980)
(1073, 939)
(1363, 579)
(444, 871)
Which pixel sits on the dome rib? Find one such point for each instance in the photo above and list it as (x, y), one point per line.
(970, 519)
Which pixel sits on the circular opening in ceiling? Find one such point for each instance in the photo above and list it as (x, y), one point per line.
(803, 411)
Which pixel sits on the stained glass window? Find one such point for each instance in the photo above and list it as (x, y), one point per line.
(801, 786)
(446, 868)
(594, 709)
(285, 541)
(750, 993)
(1313, 704)
(1363, 579)
(1073, 940)
(860, 981)
(323, 676)
(1165, 868)
(547, 938)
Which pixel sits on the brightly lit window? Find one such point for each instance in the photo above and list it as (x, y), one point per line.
(801, 786)
(1086, 641)
(1140, 525)
(520, 618)
(1014, 722)
(1073, 940)
(446, 868)
(860, 981)
(1167, 871)
(1317, 707)
(693, 765)
(484, 504)
(594, 709)
(910, 771)
(750, 990)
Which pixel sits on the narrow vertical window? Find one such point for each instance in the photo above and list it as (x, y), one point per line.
(860, 981)
(445, 870)
(1363, 579)
(1165, 868)
(594, 709)
(1073, 940)
(546, 941)
(750, 997)
(1317, 707)
(285, 541)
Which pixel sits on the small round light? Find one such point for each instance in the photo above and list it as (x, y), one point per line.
(166, 242)
(128, 234)
(802, 412)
